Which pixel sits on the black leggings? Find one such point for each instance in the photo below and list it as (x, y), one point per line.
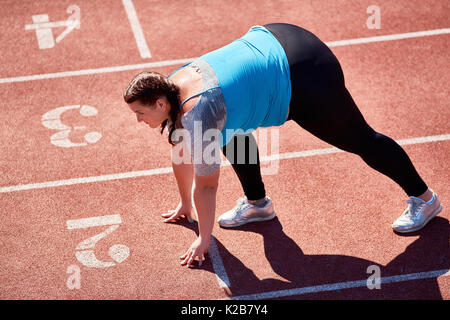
(321, 104)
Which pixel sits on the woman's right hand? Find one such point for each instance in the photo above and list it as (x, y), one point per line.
(182, 210)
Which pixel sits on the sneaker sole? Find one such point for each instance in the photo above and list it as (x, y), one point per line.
(435, 213)
(249, 221)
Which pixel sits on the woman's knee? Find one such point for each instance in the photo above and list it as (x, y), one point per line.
(361, 142)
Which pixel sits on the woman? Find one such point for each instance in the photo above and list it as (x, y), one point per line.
(274, 73)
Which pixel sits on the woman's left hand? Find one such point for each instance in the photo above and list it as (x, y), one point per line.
(197, 250)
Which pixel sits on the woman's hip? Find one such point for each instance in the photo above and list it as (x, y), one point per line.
(314, 69)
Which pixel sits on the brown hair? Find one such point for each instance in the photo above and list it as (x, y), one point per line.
(149, 86)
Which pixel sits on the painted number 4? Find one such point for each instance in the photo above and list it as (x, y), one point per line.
(85, 249)
(43, 27)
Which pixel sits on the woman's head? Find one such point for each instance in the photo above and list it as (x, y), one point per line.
(154, 99)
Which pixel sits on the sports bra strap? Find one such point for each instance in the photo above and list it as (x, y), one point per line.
(179, 69)
(195, 95)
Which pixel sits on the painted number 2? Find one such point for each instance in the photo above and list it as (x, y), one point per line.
(85, 249)
(52, 120)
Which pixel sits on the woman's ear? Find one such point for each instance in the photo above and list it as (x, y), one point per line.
(162, 104)
(159, 104)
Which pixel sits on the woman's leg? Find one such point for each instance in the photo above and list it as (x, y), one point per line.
(257, 207)
(248, 172)
(322, 105)
(336, 119)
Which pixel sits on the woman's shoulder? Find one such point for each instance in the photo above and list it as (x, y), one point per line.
(189, 80)
(209, 109)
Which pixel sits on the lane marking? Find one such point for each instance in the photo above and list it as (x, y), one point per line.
(52, 120)
(341, 285)
(390, 37)
(43, 27)
(315, 152)
(68, 182)
(218, 266)
(85, 72)
(136, 28)
(159, 64)
(47, 25)
(74, 22)
(44, 35)
(160, 171)
(94, 222)
(84, 251)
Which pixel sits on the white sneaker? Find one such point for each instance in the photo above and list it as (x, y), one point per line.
(418, 214)
(245, 212)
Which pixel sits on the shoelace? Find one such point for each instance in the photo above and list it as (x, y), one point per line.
(414, 207)
(240, 203)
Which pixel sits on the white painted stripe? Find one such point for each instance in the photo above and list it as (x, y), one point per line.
(187, 60)
(219, 268)
(340, 286)
(300, 154)
(441, 137)
(68, 182)
(47, 25)
(137, 30)
(391, 37)
(148, 65)
(158, 171)
(94, 222)
(316, 152)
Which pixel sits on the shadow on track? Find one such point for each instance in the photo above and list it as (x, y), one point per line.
(430, 252)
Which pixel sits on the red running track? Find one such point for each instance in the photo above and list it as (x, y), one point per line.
(334, 213)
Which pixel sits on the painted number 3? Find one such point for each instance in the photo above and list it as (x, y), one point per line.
(52, 120)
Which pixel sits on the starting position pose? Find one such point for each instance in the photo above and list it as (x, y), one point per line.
(274, 73)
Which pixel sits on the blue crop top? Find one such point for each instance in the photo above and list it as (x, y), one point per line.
(254, 76)
(246, 85)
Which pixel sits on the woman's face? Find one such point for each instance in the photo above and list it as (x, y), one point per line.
(153, 115)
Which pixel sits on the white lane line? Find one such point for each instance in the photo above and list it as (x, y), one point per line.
(48, 25)
(390, 37)
(159, 171)
(137, 30)
(219, 268)
(316, 152)
(341, 285)
(68, 182)
(148, 65)
(94, 222)
(187, 60)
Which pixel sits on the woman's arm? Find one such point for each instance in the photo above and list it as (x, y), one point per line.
(205, 191)
(184, 175)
